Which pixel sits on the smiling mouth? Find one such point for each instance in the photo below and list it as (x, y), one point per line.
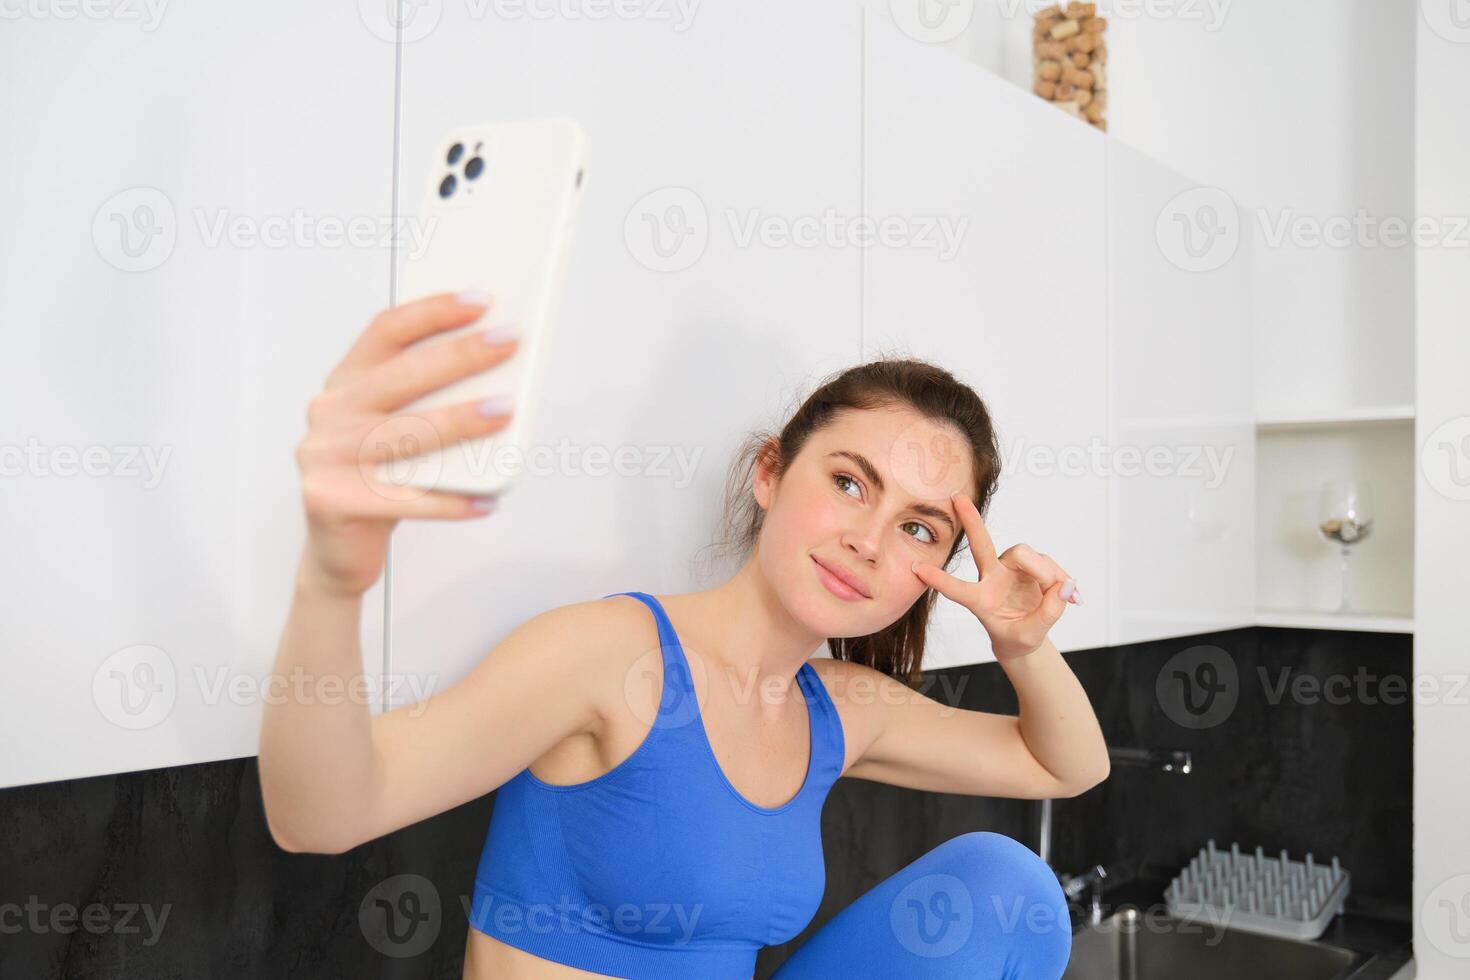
(835, 585)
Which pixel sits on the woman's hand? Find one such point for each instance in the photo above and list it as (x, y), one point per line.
(351, 427)
(1019, 595)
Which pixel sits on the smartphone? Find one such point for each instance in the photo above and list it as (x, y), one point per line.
(497, 214)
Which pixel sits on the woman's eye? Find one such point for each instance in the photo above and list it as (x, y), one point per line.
(931, 539)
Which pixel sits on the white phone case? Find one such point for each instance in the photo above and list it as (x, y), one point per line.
(507, 230)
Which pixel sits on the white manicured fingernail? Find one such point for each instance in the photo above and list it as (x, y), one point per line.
(1068, 588)
(496, 405)
(500, 334)
(473, 297)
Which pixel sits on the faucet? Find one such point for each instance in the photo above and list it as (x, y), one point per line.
(1163, 760)
(1072, 886)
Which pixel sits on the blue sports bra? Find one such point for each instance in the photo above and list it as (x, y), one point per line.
(659, 867)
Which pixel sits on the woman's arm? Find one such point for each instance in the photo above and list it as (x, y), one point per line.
(894, 734)
(316, 753)
(316, 760)
(1056, 717)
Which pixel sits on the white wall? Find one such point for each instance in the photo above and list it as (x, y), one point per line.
(1442, 498)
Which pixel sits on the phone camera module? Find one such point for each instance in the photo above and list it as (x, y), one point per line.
(455, 152)
(473, 168)
(446, 186)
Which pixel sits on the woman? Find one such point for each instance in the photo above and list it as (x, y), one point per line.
(661, 761)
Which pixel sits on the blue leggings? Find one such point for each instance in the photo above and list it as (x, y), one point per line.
(980, 905)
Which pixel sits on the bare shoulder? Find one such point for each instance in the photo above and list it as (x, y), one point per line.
(585, 649)
(848, 682)
(618, 636)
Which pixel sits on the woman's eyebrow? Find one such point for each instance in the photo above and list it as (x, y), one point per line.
(871, 472)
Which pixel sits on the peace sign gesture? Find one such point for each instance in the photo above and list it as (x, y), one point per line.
(1020, 595)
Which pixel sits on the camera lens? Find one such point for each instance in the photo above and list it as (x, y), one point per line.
(455, 152)
(446, 186)
(473, 168)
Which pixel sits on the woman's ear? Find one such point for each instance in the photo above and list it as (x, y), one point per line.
(763, 484)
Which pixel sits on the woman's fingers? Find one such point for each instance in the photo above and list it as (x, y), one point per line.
(981, 547)
(1051, 608)
(339, 494)
(937, 578)
(397, 327)
(1041, 567)
(395, 383)
(369, 440)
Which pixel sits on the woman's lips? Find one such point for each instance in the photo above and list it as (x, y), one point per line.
(835, 585)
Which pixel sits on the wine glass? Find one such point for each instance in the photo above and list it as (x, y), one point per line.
(1347, 517)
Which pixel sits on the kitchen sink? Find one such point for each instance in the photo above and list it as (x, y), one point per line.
(1131, 946)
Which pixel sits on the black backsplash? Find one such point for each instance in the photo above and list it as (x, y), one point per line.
(1330, 772)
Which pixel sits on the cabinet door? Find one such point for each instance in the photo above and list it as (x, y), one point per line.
(697, 307)
(1012, 299)
(1181, 430)
(197, 206)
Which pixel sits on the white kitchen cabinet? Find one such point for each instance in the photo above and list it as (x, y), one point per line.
(1117, 367)
(1017, 306)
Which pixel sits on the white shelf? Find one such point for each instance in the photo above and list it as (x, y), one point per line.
(1370, 415)
(1313, 619)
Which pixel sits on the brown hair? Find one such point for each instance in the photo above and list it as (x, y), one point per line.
(885, 381)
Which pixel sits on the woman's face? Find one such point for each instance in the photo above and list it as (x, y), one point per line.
(868, 495)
